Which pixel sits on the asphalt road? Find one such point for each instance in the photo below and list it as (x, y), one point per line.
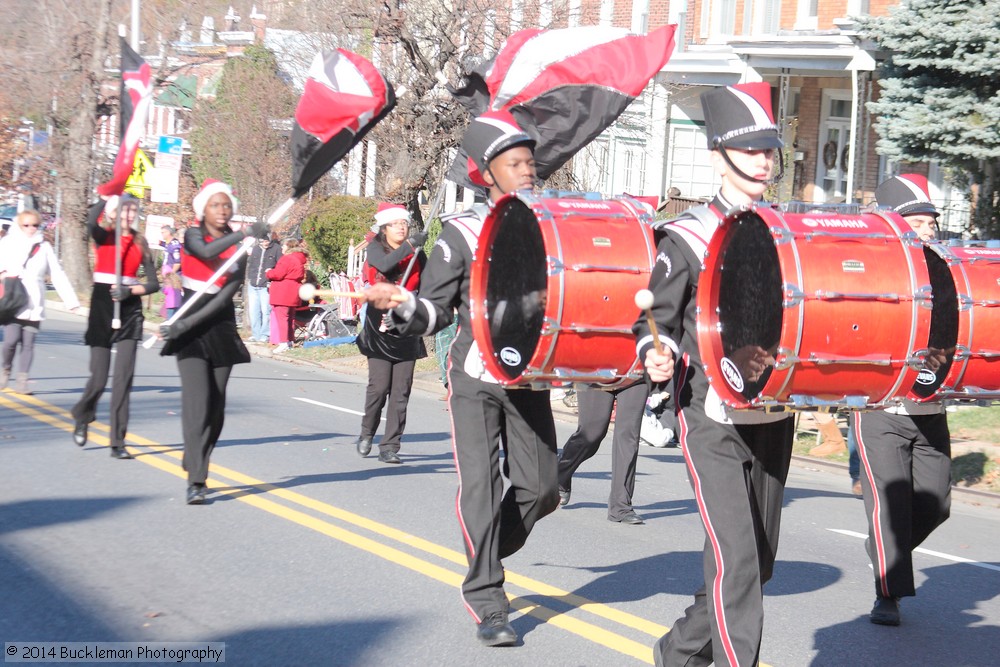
(311, 555)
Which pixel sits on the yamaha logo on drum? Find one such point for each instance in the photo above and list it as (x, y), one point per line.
(732, 374)
(510, 356)
(926, 377)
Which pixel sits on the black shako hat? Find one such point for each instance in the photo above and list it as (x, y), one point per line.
(740, 116)
(488, 136)
(906, 194)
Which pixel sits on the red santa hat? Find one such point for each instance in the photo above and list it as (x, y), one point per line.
(209, 187)
(388, 213)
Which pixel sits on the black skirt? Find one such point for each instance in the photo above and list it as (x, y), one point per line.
(102, 309)
(215, 340)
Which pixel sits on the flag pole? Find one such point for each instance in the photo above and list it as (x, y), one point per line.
(435, 207)
(245, 247)
(116, 318)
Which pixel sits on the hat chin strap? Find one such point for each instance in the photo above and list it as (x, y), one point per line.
(774, 178)
(496, 183)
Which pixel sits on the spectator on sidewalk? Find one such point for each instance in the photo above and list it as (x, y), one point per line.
(26, 255)
(263, 257)
(286, 278)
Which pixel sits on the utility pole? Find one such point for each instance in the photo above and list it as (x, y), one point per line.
(135, 26)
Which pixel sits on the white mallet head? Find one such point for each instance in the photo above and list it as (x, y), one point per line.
(307, 292)
(644, 299)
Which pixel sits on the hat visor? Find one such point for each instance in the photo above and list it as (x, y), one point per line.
(755, 141)
(919, 208)
(505, 146)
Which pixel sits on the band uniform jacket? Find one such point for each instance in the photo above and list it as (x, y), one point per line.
(444, 287)
(376, 340)
(99, 331)
(682, 243)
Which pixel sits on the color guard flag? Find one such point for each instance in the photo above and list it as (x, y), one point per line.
(134, 102)
(344, 97)
(564, 87)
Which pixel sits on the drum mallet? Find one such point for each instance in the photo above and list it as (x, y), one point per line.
(308, 292)
(644, 302)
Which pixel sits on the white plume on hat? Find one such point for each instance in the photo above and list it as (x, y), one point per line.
(209, 187)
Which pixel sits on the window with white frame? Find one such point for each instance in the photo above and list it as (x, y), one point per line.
(689, 167)
(767, 17)
(516, 15)
(640, 16)
(807, 15)
(607, 12)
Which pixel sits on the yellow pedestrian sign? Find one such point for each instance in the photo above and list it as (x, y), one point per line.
(142, 175)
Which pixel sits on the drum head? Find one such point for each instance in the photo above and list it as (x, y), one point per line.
(516, 287)
(750, 298)
(944, 326)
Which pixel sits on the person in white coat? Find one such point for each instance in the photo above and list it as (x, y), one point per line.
(25, 253)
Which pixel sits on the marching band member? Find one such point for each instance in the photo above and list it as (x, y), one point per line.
(100, 336)
(594, 407)
(391, 356)
(205, 341)
(494, 524)
(906, 450)
(725, 451)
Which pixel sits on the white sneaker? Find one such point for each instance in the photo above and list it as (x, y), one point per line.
(282, 347)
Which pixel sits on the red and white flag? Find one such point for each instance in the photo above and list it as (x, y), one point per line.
(565, 86)
(134, 103)
(344, 97)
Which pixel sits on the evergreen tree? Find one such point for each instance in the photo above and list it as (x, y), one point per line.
(940, 97)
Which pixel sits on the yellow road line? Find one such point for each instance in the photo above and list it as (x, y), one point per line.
(556, 618)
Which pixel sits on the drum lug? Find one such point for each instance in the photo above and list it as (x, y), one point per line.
(962, 353)
(782, 236)
(555, 265)
(918, 359)
(924, 296)
(785, 359)
(793, 296)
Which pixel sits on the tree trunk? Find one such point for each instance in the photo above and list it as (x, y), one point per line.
(75, 158)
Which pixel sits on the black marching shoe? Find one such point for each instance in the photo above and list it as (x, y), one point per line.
(388, 457)
(630, 518)
(364, 445)
(496, 631)
(120, 453)
(563, 496)
(196, 494)
(80, 434)
(885, 611)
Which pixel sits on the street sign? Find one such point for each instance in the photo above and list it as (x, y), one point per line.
(139, 180)
(169, 153)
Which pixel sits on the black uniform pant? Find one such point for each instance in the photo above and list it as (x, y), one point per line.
(595, 407)
(203, 412)
(85, 410)
(738, 475)
(392, 381)
(906, 483)
(494, 523)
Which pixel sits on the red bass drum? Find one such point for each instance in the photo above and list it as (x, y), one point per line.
(553, 288)
(812, 311)
(964, 343)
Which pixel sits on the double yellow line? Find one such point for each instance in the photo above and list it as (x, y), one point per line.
(257, 493)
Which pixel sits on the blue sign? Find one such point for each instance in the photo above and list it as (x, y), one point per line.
(170, 145)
